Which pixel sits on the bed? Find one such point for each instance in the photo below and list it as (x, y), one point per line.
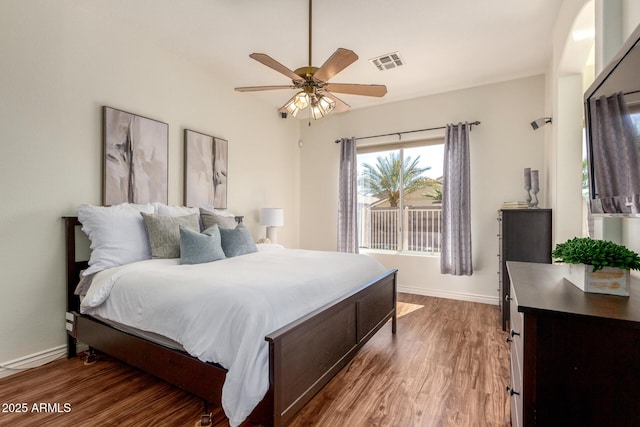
(303, 355)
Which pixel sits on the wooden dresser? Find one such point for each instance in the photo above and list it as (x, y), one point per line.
(524, 235)
(575, 357)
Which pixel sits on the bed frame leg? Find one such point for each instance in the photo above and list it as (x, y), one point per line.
(394, 323)
(205, 418)
(91, 357)
(71, 347)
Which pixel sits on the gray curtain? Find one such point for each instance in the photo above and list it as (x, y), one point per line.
(615, 150)
(348, 197)
(455, 257)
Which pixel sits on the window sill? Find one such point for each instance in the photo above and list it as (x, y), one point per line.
(367, 251)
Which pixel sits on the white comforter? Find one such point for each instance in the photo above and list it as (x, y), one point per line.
(221, 311)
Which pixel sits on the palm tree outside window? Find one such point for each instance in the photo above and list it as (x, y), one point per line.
(399, 195)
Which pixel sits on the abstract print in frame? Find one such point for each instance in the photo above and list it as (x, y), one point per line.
(205, 170)
(135, 158)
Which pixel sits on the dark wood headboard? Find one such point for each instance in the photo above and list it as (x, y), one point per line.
(73, 267)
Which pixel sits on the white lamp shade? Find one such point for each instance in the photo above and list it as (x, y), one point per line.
(272, 217)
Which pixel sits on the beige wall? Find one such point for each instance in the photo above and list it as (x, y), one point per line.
(563, 157)
(501, 147)
(630, 17)
(60, 65)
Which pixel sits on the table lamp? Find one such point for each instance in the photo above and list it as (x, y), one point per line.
(272, 218)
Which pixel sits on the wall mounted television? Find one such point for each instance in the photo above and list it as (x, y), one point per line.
(612, 117)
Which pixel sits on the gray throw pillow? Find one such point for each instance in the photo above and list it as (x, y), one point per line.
(164, 233)
(209, 219)
(237, 241)
(196, 248)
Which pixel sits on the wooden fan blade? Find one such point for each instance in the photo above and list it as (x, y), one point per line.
(341, 106)
(258, 88)
(275, 65)
(354, 89)
(337, 62)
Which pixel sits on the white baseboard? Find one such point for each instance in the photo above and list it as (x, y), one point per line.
(31, 361)
(438, 293)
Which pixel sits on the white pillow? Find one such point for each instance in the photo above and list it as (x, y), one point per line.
(221, 212)
(117, 234)
(162, 209)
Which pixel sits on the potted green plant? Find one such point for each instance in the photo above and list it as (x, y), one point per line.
(598, 266)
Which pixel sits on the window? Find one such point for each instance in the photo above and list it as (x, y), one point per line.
(394, 220)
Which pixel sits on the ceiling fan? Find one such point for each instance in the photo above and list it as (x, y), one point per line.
(316, 91)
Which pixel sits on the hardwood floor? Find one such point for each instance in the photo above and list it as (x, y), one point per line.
(447, 366)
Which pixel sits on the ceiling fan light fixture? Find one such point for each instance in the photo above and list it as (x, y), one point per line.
(301, 100)
(326, 104)
(317, 112)
(322, 106)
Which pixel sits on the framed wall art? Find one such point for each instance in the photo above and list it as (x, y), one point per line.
(205, 170)
(135, 158)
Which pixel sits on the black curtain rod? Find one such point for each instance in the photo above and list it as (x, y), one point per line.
(476, 123)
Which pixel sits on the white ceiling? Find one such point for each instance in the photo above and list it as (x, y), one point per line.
(446, 45)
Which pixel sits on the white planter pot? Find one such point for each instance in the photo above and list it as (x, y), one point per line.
(609, 280)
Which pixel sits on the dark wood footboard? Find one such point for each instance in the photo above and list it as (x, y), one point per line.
(303, 356)
(306, 354)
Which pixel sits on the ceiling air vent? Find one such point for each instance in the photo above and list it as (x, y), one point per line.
(388, 61)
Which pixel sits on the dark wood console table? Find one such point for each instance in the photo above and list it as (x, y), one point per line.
(575, 356)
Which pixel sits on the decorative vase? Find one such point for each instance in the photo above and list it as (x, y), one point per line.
(609, 280)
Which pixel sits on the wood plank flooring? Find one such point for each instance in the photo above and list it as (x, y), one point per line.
(447, 366)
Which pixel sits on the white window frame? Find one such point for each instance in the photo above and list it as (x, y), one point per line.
(400, 235)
